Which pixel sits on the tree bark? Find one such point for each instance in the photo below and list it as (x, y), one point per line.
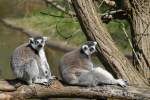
(140, 22)
(58, 90)
(108, 53)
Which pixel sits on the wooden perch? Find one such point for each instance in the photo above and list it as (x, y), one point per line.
(58, 90)
(52, 44)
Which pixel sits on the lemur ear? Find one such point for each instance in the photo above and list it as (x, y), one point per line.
(95, 43)
(84, 47)
(31, 40)
(45, 38)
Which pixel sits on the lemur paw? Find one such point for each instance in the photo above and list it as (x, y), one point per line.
(122, 83)
(47, 83)
(50, 80)
(42, 81)
(53, 77)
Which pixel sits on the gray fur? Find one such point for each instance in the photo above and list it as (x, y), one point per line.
(76, 68)
(27, 64)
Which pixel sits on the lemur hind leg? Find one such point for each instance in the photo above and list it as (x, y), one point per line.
(32, 71)
(74, 79)
(104, 77)
(39, 80)
(87, 79)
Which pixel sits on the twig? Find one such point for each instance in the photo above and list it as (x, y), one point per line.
(59, 7)
(44, 13)
(115, 14)
(123, 28)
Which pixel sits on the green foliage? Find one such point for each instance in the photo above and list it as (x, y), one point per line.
(62, 27)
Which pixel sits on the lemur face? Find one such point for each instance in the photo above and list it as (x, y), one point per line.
(89, 47)
(37, 42)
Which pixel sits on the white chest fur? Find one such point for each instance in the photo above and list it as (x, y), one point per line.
(44, 63)
(42, 55)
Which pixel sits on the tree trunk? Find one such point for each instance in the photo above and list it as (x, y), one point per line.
(140, 22)
(108, 53)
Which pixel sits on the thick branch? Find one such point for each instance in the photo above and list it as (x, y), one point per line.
(57, 90)
(140, 30)
(52, 44)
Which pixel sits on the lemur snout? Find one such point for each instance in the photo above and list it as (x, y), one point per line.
(40, 46)
(91, 49)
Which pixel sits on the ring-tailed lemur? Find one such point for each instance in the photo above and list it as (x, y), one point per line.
(76, 68)
(29, 63)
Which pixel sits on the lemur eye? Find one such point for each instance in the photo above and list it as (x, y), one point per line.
(85, 48)
(42, 41)
(31, 41)
(36, 42)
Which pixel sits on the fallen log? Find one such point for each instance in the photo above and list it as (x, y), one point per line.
(59, 90)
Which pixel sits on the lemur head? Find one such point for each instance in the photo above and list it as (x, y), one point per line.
(89, 47)
(37, 43)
